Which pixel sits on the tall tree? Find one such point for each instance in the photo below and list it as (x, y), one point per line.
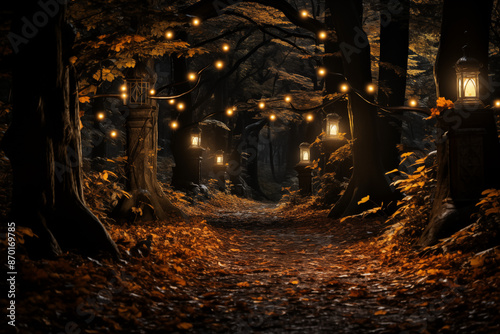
(43, 141)
(368, 177)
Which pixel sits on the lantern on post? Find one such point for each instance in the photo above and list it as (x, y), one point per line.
(138, 86)
(332, 125)
(195, 137)
(219, 158)
(305, 153)
(303, 169)
(467, 70)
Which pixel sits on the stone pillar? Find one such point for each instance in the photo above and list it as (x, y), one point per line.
(305, 178)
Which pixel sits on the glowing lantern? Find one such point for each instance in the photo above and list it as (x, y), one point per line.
(332, 125)
(305, 153)
(196, 137)
(219, 158)
(467, 70)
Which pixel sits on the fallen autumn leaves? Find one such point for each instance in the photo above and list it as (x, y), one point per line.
(258, 270)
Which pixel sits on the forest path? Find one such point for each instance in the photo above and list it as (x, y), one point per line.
(285, 275)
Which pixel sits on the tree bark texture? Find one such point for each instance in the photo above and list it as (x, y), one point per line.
(368, 176)
(43, 143)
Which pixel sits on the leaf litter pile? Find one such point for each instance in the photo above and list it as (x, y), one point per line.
(250, 267)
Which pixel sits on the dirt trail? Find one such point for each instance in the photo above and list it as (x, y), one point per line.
(282, 275)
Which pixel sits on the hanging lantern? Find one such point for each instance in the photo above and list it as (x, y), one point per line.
(195, 137)
(332, 125)
(305, 153)
(467, 70)
(219, 158)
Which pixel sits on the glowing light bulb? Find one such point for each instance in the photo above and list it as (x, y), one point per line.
(174, 125)
(219, 64)
(370, 88)
(322, 35)
(169, 34)
(123, 88)
(288, 98)
(413, 103)
(172, 101)
(497, 103)
(101, 116)
(152, 92)
(225, 47)
(344, 87)
(192, 76)
(229, 111)
(113, 134)
(181, 106)
(304, 13)
(262, 105)
(272, 117)
(321, 72)
(196, 22)
(124, 96)
(309, 117)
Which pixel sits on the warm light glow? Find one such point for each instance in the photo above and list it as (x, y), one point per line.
(101, 116)
(470, 87)
(309, 117)
(288, 98)
(272, 117)
(123, 88)
(113, 134)
(124, 96)
(413, 103)
(496, 103)
(321, 72)
(172, 101)
(152, 92)
(305, 155)
(333, 130)
(370, 88)
(322, 35)
(192, 76)
(196, 22)
(229, 111)
(304, 13)
(344, 88)
(174, 124)
(262, 105)
(180, 106)
(195, 141)
(219, 64)
(169, 34)
(225, 47)
(219, 159)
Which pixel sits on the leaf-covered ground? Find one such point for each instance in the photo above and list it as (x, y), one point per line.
(255, 268)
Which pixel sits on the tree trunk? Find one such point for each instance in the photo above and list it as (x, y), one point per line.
(43, 142)
(368, 174)
(460, 16)
(394, 33)
(467, 139)
(142, 148)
